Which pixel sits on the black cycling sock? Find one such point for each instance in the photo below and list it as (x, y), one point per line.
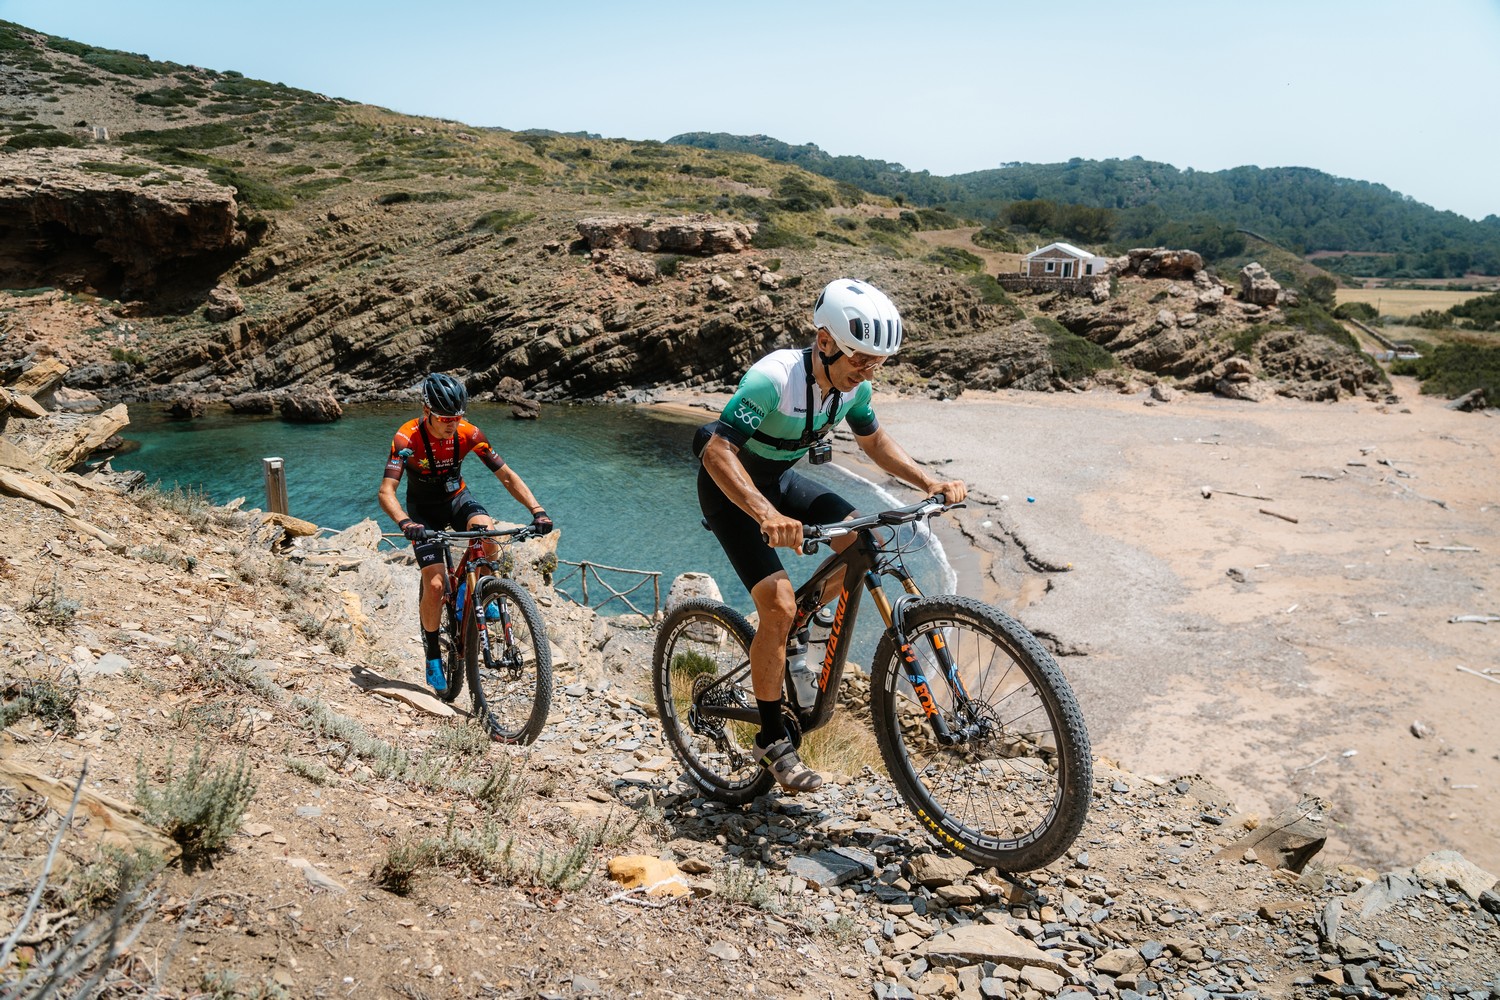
(430, 644)
(771, 727)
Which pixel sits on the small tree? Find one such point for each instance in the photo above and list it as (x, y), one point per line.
(1322, 289)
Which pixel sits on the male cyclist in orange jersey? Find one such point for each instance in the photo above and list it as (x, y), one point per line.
(432, 447)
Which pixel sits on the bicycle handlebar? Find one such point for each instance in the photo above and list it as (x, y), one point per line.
(523, 532)
(814, 535)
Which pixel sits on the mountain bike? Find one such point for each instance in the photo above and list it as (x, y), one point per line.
(493, 636)
(977, 727)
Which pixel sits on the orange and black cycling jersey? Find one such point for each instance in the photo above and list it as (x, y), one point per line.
(434, 463)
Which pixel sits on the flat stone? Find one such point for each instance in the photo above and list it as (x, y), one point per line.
(1453, 871)
(826, 868)
(992, 943)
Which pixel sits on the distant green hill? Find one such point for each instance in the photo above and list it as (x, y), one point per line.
(1134, 201)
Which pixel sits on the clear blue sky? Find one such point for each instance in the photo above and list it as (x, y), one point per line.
(1397, 92)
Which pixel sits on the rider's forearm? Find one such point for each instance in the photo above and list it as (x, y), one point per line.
(389, 503)
(891, 457)
(516, 487)
(722, 462)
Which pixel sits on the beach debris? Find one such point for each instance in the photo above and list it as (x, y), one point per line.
(1235, 574)
(1479, 673)
(1421, 730)
(1349, 753)
(1309, 764)
(1445, 548)
(1208, 492)
(1318, 475)
(1289, 610)
(1479, 619)
(1284, 517)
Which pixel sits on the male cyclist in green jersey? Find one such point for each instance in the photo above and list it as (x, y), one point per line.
(754, 501)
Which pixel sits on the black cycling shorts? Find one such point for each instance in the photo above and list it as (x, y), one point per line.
(793, 494)
(456, 511)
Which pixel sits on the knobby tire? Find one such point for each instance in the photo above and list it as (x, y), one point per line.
(700, 641)
(1016, 797)
(512, 693)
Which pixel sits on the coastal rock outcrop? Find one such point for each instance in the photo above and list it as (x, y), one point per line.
(103, 221)
(1257, 286)
(701, 235)
(312, 407)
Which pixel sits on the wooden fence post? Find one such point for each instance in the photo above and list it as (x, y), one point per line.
(275, 470)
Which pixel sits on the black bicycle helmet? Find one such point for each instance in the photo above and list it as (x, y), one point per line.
(445, 395)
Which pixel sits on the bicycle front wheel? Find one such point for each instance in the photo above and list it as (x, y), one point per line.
(702, 661)
(510, 674)
(1013, 790)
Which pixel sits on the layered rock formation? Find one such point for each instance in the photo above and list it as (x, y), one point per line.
(98, 220)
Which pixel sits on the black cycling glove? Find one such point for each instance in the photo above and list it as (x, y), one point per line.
(414, 530)
(541, 522)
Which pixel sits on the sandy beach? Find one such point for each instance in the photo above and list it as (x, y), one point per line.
(1293, 640)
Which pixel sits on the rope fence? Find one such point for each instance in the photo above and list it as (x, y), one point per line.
(584, 570)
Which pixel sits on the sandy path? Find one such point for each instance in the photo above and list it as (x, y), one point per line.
(1307, 676)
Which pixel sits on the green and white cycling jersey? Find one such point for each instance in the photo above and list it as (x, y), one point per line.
(771, 402)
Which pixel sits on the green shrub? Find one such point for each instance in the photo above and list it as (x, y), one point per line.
(1073, 357)
(51, 606)
(499, 220)
(957, 259)
(131, 357)
(170, 97)
(316, 186)
(121, 63)
(1244, 341)
(198, 809)
(49, 139)
(1362, 311)
(206, 136)
(990, 291)
(666, 264)
(53, 703)
(1452, 370)
(118, 169)
(797, 194)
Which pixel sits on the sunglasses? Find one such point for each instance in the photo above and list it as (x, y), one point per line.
(865, 362)
(440, 418)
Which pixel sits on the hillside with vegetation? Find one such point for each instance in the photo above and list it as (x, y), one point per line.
(1137, 202)
(231, 239)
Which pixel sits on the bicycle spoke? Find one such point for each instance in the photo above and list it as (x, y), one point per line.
(702, 663)
(1002, 785)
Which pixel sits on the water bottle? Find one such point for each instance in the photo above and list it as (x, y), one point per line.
(804, 677)
(462, 585)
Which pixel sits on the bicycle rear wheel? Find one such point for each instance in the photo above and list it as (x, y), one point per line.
(510, 676)
(1014, 791)
(703, 659)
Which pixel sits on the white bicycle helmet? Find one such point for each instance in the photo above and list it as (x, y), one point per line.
(859, 316)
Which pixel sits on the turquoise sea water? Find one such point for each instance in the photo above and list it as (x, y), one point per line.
(618, 481)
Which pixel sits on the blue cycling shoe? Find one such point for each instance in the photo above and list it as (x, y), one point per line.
(435, 678)
(492, 611)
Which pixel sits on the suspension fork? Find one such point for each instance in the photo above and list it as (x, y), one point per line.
(894, 615)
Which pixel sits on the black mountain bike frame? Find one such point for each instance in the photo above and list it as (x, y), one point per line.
(865, 561)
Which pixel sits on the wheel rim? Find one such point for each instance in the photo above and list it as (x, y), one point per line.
(1002, 786)
(508, 672)
(706, 664)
